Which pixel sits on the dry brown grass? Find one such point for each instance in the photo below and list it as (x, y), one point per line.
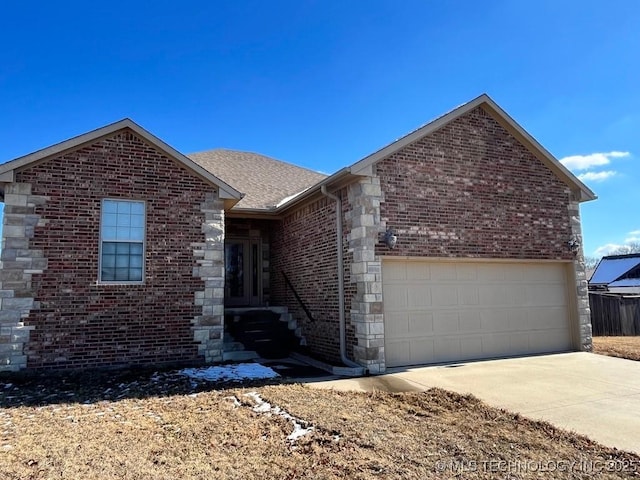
(206, 435)
(624, 347)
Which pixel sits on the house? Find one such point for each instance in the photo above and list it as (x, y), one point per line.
(458, 241)
(617, 274)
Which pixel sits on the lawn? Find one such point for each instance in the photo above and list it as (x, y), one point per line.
(624, 347)
(137, 425)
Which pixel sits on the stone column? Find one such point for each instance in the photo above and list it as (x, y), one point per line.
(582, 289)
(208, 327)
(366, 272)
(18, 263)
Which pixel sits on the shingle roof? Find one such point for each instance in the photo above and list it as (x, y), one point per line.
(264, 181)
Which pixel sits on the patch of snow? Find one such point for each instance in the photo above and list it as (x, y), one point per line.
(298, 431)
(290, 197)
(8, 385)
(234, 399)
(300, 427)
(237, 372)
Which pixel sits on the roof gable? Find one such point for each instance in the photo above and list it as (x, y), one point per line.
(364, 166)
(226, 191)
(614, 268)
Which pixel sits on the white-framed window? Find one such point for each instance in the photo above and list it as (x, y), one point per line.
(122, 235)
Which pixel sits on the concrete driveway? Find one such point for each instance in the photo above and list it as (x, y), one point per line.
(591, 394)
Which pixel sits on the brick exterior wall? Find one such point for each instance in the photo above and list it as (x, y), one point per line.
(304, 247)
(80, 323)
(470, 189)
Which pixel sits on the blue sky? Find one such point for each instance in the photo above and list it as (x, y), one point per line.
(324, 83)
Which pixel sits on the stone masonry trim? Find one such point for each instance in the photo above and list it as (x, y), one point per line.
(208, 327)
(366, 273)
(582, 291)
(18, 263)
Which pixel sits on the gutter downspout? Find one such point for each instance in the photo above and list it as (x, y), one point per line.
(355, 369)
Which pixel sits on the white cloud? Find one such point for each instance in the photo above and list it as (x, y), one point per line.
(606, 249)
(633, 237)
(585, 162)
(596, 176)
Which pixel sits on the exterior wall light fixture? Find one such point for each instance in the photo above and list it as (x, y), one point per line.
(390, 238)
(574, 245)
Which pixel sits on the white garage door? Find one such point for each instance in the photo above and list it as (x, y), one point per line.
(449, 311)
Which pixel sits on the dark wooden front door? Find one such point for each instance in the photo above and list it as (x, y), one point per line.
(242, 272)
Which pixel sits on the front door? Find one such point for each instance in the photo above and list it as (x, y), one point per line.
(242, 272)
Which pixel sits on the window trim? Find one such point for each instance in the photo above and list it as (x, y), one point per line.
(101, 241)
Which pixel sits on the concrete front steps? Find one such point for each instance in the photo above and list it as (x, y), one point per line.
(267, 332)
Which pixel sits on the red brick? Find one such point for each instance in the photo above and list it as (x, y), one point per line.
(82, 323)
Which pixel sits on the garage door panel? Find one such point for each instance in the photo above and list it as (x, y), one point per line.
(519, 343)
(516, 295)
(546, 318)
(494, 320)
(395, 271)
(549, 340)
(466, 272)
(451, 311)
(443, 271)
(418, 295)
(444, 296)
(419, 272)
(490, 272)
(471, 347)
(396, 352)
(396, 297)
(422, 348)
(397, 324)
(496, 345)
(546, 295)
(468, 295)
(445, 322)
(516, 318)
(469, 321)
(514, 272)
(420, 323)
(494, 295)
(543, 274)
(447, 349)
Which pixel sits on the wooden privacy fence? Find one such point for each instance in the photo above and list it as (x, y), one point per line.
(613, 314)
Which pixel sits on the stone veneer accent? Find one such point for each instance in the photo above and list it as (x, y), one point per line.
(208, 327)
(18, 264)
(582, 289)
(366, 273)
